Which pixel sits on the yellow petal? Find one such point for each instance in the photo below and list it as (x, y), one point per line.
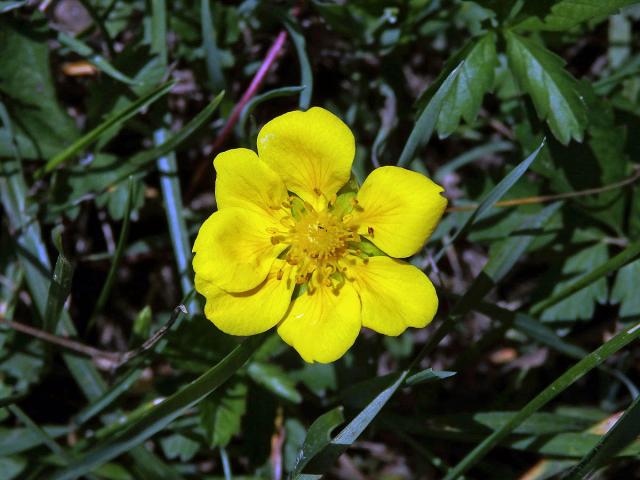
(324, 325)
(394, 295)
(398, 210)
(251, 312)
(245, 181)
(312, 151)
(233, 249)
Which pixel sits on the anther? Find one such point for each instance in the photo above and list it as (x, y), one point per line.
(370, 231)
(274, 241)
(280, 274)
(317, 191)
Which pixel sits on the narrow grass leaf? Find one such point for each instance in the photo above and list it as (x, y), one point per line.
(263, 97)
(427, 375)
(306, 75)
(117, 256)
(326, 458)
(493, 196)
(11, 5)
(628, 255)
(103, 402)
(573, 374)
(113, 119)
(210, 46)
(143, 158)
(161, 415)
(471, 156)
(85, 51)
(623, 433)
(318, 437)
(427, 119)
(59, 288)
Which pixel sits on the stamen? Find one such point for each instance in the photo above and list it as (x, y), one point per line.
(370, 231)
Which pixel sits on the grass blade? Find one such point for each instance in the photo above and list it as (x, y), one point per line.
(565, 380)
(115, 263)
(624, 432)
(318, 437)
(114, 119)
(263, 97)
(172, 196)
(161, 415)
(325, 459)
(427, 120)
(59, 288)
(210, 46)
(628, 255)
(493, 196)
(306, 75)
(138, 161)
(99, 61)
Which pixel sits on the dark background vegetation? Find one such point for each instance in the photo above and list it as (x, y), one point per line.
(106, 177)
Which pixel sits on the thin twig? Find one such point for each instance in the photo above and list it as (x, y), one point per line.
(254, 86)
(104, 359)
(551, 198)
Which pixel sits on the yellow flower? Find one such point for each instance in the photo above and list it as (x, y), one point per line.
(287, 247)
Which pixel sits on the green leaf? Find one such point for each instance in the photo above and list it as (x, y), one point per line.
(162, 414)
(28, 90)
(274, 379)
(492, 197)
(561, 15)
(476, 77)
(581, 304)
(306, 75)
(328, 455)
(565, 380)
(11, 467)
(221, 415)
(427, 120)
(482, 423)
(114, 119)
(318, 437)
(622, 292)
(210, 46)
(16, 440)
(6, 6)
(178, 446)
(99, 61)
(59, 288)
(427, 375)
(263, 97)
(554, 92)
(117, 256)
(624, 432)
(626, 256)
(116, 389)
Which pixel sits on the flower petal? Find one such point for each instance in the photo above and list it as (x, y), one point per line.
(398, 210)
(233, 249)
(251, 312)
(322, 326)
(394, 295)
(245, 181)
(312, 151)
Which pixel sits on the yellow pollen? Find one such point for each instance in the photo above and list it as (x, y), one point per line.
(318, 242)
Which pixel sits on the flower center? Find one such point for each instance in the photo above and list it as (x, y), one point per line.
(319, 243)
